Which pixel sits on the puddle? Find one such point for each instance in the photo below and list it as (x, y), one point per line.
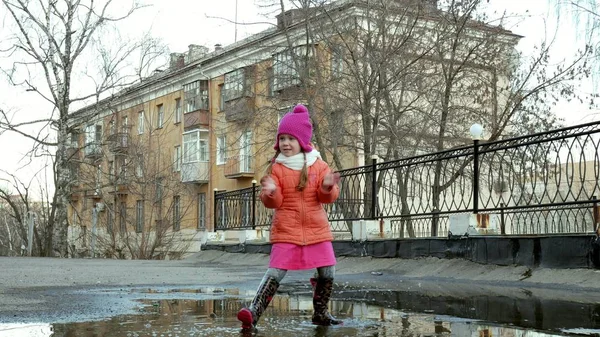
(212, 312)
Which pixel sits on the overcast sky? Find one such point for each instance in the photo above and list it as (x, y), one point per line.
(179, 23)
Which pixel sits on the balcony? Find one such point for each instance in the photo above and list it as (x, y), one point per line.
(93, 150)
(75, 195)
(119, 142)
(196, 118)
(241, 109)
(93, 194)
(119, 186)
(72, 153)
(239, 167)
(195, 172)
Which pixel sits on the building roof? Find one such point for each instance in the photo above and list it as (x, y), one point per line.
(159, 76)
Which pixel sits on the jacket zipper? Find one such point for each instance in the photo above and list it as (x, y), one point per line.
(303, 225)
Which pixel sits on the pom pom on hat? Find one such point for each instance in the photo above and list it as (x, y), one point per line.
(296, 123)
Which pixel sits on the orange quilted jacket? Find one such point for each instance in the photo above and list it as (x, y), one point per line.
(299, 215)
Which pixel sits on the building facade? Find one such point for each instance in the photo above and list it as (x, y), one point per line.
(147, 162)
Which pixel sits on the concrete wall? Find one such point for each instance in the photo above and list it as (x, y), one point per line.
(565, 251)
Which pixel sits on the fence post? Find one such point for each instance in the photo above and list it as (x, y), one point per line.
(215, 209)
(435, 220)
(30, 218)
(253, 204)
(475, 176)
(502, 225)
(374, 187)
(94, 225)
(596, 212)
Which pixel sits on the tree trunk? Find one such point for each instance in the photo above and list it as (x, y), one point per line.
(60, 226)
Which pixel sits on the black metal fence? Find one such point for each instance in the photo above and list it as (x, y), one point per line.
(537, 184)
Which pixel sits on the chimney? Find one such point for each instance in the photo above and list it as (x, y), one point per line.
(293, 16)
(196, 52)
(218, 47)
(177, 60)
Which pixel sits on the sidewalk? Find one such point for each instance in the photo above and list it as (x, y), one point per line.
(50, 287)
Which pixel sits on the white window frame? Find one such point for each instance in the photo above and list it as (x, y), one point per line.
(337, 61)
(139, 168)
(177, 159)
(221, 149)
(285, 73)
(93, 134)
(176, 213)
(196, 96)
(234, 84)
(222, 97)
(160, 113)
(178, 110)
(195, 148)
(140, 125)
(139, 216)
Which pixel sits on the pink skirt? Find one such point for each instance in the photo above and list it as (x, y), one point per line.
(289, 256)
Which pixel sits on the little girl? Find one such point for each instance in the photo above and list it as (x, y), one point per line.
(297, 183)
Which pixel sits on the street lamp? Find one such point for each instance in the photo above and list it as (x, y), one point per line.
(476, 131)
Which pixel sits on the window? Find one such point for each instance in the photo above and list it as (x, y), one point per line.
(109, 219)
(282, 111)
(221, 150)
(270, 83)
(140, 122)
(160, 118)
(246, 151)
(221, 97)
(196, 96)
(201, 210)
(195, 149)
(123, 217)
(337, 61)
(235, 85)
(159, 190)
(74, 140)
(177, 110)
(122, 163)
(139, 168)
(125, 124)
(111, 170)
(177, 159)
(285, 72)
(111, 127)
(139, 216)
(93, 138)
(98, 178)
(176, 213)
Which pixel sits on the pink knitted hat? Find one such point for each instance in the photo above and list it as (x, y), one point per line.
(296, 123)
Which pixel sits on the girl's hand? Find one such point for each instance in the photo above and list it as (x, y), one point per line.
(330, 180)
(268, 185)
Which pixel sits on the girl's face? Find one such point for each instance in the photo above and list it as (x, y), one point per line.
(288, 145)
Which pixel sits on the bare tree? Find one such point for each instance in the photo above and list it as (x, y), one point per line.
(410, 77)
(133, 168)
(17, 206)
(57, 39)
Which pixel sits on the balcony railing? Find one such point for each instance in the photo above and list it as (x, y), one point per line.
(119, 142)
(119, 184)
(195, 172)
(93, 150)
(240, 109)
(241, 166)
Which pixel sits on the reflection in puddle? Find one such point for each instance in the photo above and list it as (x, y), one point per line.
(212, 312)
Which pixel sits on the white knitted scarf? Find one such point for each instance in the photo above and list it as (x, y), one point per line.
(296, 162)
